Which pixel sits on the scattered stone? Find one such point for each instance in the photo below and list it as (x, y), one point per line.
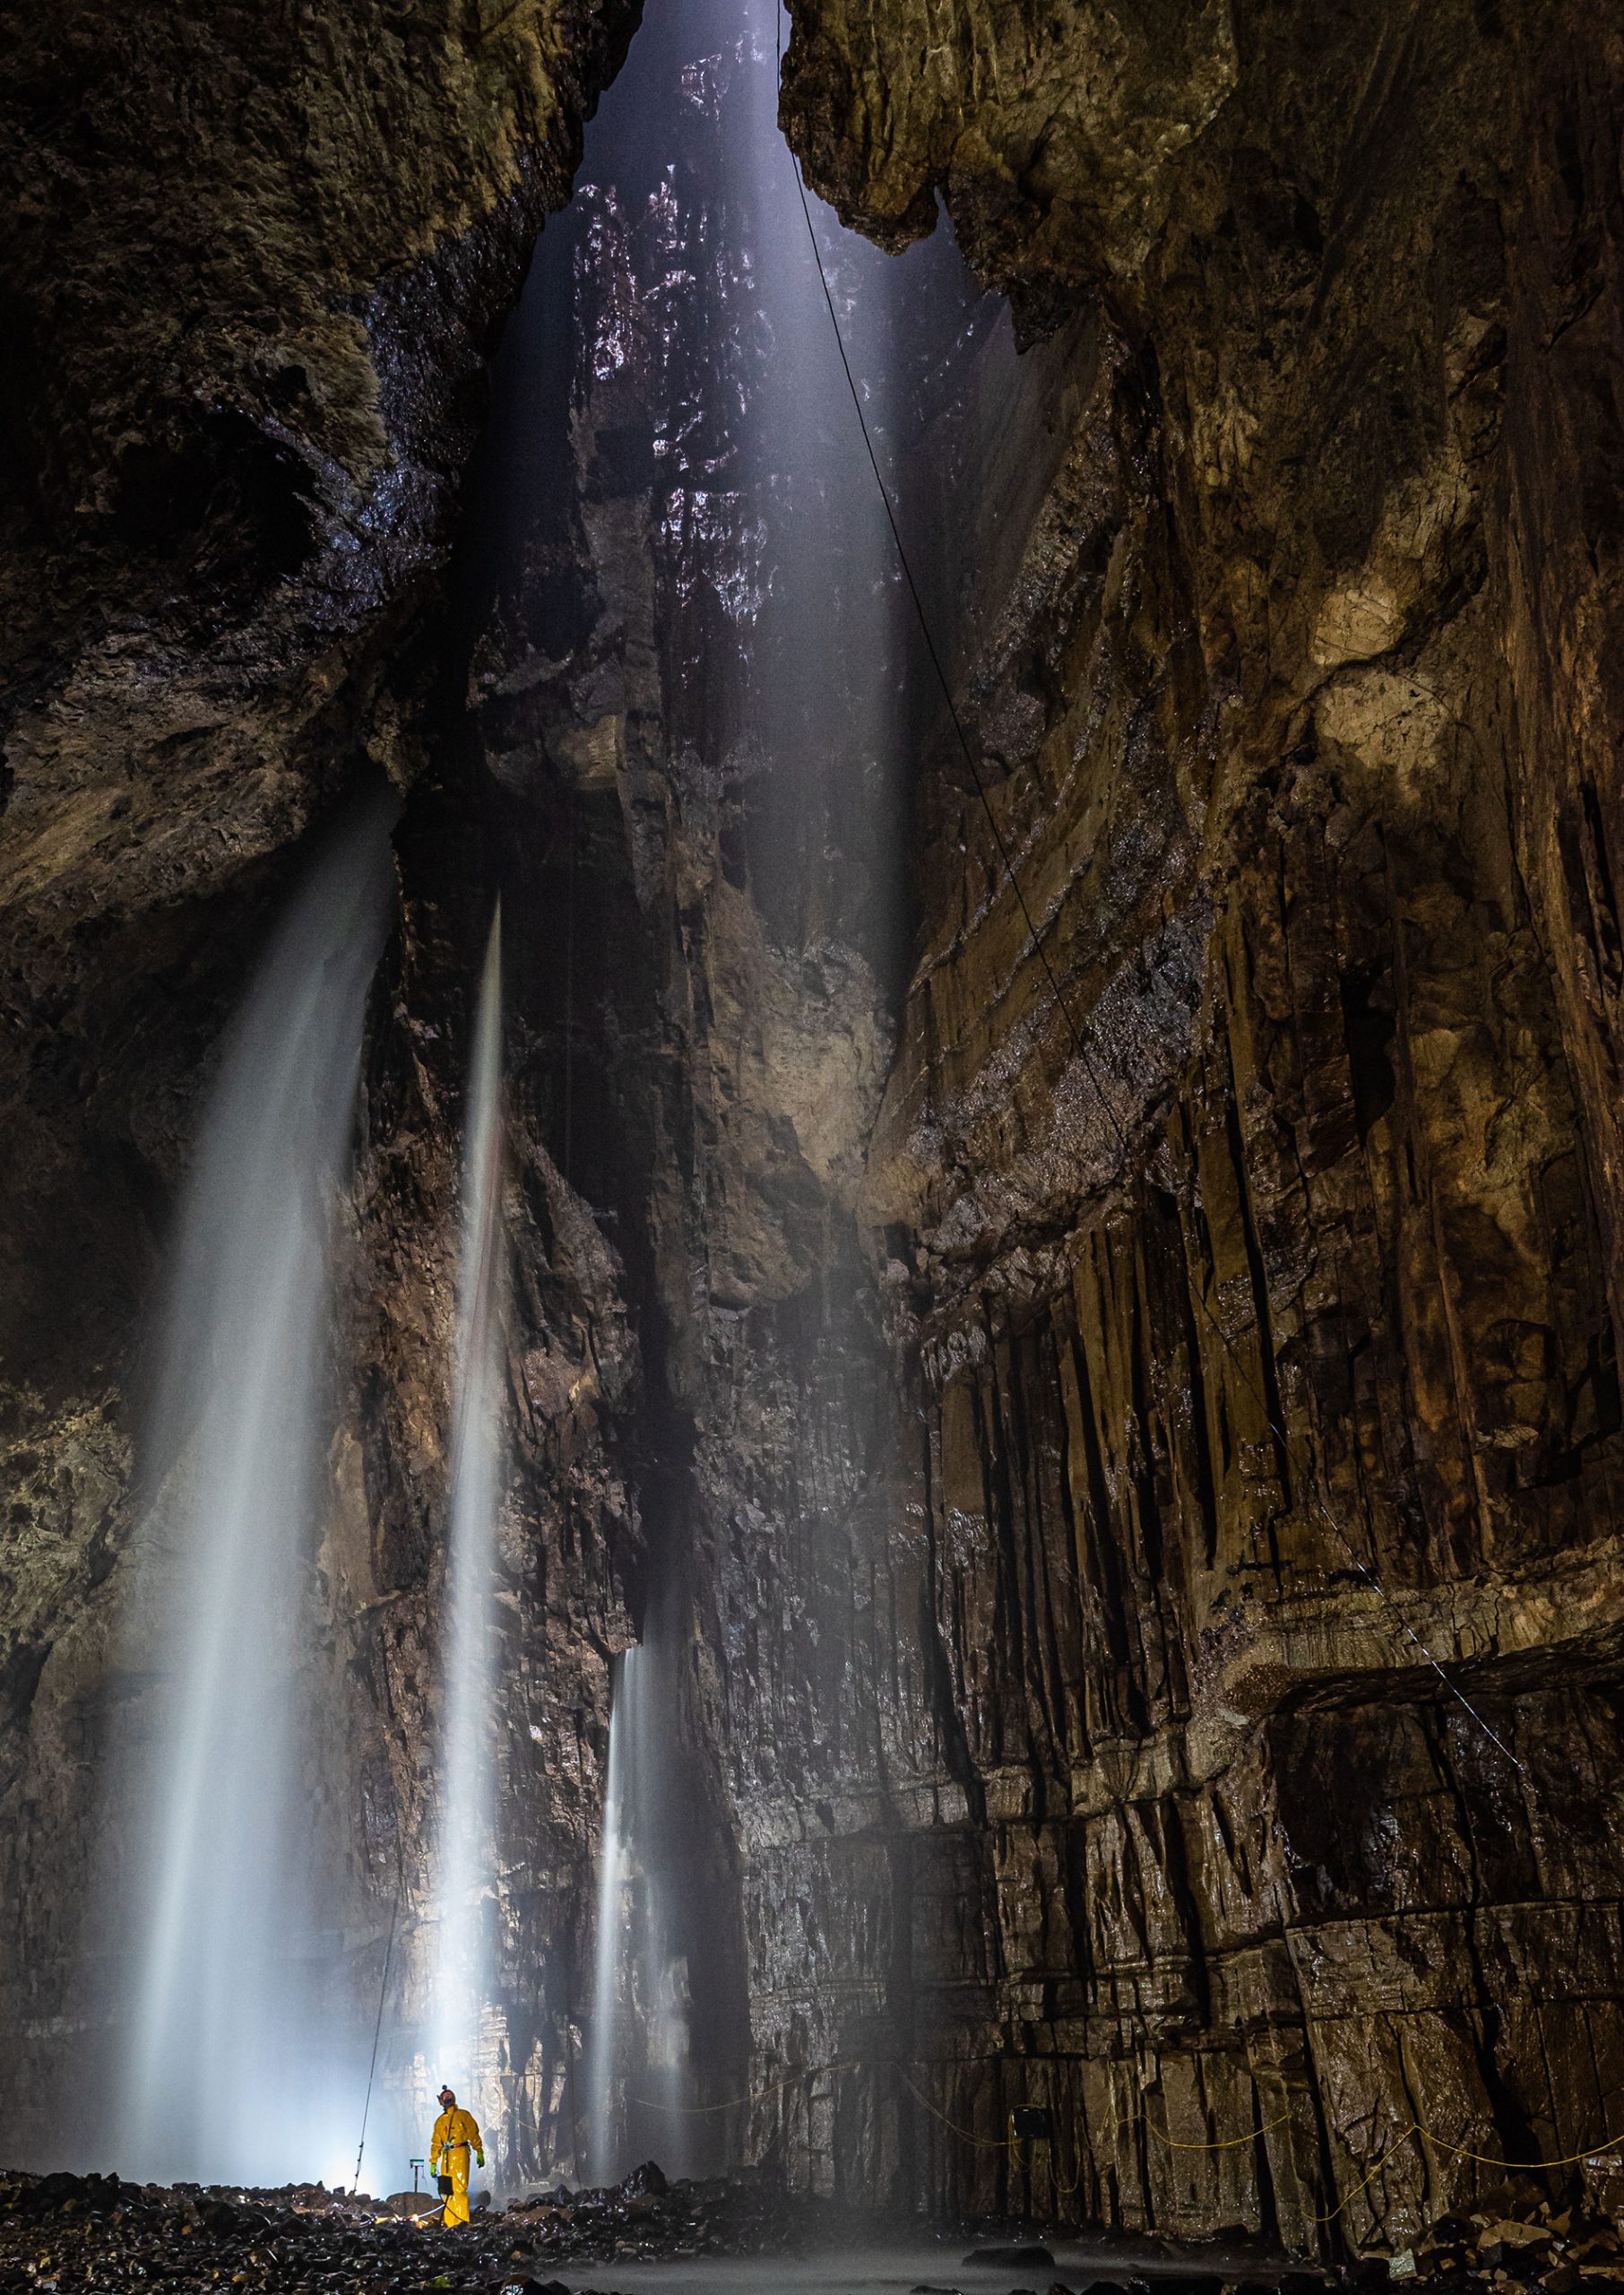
(1499, 2243)
(87, 2235)
(413, 2203)
(104, 2234)
(1515, 2242)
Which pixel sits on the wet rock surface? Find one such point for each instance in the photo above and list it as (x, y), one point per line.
(79, 2231)
(254, 270)
(1233, 1284)
(1516, 2237)
(222, 506)
(74, 2232)
(1255, 1363)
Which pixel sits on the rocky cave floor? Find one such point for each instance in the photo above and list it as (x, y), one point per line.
(61, 2232)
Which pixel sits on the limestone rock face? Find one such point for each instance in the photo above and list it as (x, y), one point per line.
(252, 263)
(708, 1026)
(1248, 1187)
(1110, 1410)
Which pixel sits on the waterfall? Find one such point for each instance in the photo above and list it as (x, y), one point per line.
(236, 2068)
(608, 1950)
(672, 392)
(824, 660)
(661, 1969)
(465, 1874)
(783, 615)
(635, 1961)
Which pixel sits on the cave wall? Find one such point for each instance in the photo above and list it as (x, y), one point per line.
(252, 271)
(252, 264)
(699, 976)
(568, 1540)
(1251, 1247)
(1060, 1444)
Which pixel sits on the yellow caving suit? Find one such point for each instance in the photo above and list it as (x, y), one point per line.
(456, 2133)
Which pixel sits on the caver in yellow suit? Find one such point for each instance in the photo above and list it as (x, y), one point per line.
(456, 2133)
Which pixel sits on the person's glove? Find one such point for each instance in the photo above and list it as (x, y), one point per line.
(479, 2156)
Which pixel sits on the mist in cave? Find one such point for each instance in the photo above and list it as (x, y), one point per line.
(917, 1491)
(879, 1454)
(610, 1954)
(465, 1853)
(640, 1978)
(676, 315)
(685, 285)
(243, 2053)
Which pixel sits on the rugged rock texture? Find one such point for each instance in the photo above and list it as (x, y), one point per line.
(1119, 1442)
(1250, 1223)
(252, 263)
(568, 1537)
(93, 2230)
(683, 745)
(251, 269)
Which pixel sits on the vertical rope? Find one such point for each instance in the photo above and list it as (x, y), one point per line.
(377, 2034)
(1272, 1419)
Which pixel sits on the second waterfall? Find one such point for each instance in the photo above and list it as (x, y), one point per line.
(637, 1963)
(465, 1857)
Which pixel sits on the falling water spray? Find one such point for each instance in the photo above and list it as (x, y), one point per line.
(637, 1962)
(780, 636)
(236, 2066)
(604, 2036)
(466, 1851)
